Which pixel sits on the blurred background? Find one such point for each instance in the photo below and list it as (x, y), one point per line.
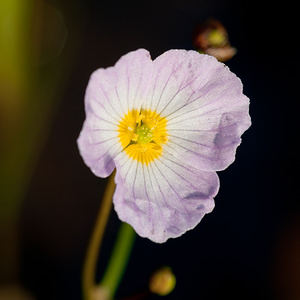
(247, 248)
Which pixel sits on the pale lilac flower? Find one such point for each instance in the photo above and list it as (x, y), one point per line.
(166, 126)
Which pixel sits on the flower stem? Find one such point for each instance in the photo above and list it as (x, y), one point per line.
(118, 260)
(88, 280)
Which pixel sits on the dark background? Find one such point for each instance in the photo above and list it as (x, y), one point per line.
(249, 246)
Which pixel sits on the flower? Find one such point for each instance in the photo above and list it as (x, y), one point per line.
(166, 125)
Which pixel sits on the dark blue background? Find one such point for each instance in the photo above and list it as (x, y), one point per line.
(248, 247)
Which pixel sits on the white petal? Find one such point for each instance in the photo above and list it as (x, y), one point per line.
(164, 199)
(134, 76)
(110, 94)
(178, 77)
(99, 144)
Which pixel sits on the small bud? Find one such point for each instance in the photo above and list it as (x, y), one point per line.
(162, 282)
(211, 38)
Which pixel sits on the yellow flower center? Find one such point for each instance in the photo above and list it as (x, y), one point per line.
(142, 134)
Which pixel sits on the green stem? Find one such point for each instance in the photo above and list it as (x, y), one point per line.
(118, 260)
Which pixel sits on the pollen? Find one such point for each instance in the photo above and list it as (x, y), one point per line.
(142, 134)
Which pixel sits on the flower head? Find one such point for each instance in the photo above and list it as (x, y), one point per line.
(166, 125)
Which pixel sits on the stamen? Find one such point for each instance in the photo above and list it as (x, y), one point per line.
(142, 134)
(139, 119)
(134, 137)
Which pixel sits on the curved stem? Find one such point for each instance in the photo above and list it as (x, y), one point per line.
(88, 280)
(118, 260)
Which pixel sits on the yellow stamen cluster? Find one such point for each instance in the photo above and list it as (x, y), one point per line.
(142, 134)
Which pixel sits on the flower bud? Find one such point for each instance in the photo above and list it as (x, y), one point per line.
(162, 282)
(211, 38)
